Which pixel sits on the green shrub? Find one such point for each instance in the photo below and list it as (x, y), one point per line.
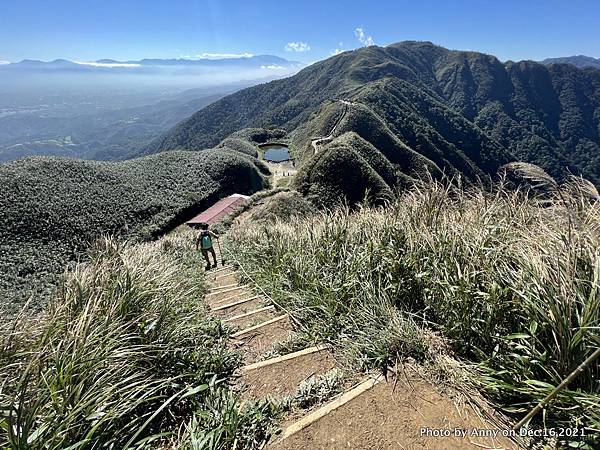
(240, 145)
(226, 423)
(316, 389)
(338, 175)
(259, 135)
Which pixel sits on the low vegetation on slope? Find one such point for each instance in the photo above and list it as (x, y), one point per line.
(240, 145)
(52, 208)
(384, 168)
(259, 135)
(510, 284)
(284, 205)
(358, 127)
(126, 357)
(319, 124)
(337, 175)
(440, 135)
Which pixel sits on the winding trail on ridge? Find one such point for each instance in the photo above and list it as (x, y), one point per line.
(315, 143)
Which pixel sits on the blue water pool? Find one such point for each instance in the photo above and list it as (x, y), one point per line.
(276, 153)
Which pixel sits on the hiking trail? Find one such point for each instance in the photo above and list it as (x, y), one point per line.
(372, 411)
(316, 142)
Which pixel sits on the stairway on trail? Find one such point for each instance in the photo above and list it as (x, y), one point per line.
(372, 413)
(320, 141)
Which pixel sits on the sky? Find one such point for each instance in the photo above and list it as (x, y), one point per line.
(301, 30)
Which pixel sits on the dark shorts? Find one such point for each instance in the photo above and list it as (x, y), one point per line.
(206, 251)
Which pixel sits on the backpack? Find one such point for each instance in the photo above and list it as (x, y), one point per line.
(206, 240)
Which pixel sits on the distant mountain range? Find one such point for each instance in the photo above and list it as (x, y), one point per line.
(257, 61)
(580, 61)
(364, 122)
(109, 109)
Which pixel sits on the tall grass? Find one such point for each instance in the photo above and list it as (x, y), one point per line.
(500, 279)
(124, 358)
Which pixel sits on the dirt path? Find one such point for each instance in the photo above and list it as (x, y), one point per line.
(315, 143)
(370, 413)
(282, 171)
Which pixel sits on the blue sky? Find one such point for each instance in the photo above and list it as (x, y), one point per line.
(303, 30)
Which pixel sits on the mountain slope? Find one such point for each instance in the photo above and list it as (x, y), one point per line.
(466, 112)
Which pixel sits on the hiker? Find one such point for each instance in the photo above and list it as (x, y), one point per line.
(204, 240)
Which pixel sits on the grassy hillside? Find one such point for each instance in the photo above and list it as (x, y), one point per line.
(360, 119)
(464, 112)
(384, 168)
(492, 278)
(283, 205)
(126, 357)
(53, 208)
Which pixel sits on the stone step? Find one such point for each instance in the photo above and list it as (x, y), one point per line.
(257, 327)
(221, 269)
(393, 413)
(329, 407)
(246, 317)
(281, 376)
(254, 341)
(214, 289)
(243, 308)
(216, 302)
(282, 358)
(233, 303)
(229, 293)
(223, 280)
(228, 289)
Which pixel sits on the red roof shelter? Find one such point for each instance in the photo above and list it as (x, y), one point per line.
(219, 210)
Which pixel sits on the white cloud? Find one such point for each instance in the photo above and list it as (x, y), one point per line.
(4, 62)
(273, 67)
(297, 47)
(109, 65)
(362, 37)
(224, 55)
(337, 51)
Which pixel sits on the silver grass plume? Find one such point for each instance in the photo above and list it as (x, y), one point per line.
(579, 187)
(530, 172)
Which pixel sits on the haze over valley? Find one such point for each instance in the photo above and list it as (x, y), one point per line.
(110, 109)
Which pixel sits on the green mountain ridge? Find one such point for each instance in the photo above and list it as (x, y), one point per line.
(466, 112)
